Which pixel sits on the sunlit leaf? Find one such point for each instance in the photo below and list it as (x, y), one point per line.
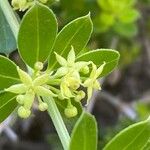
(37, 34)
(76, 34)
(7, 105)
(84, 135)
(111, 58)
(8, 73)
(133, 137)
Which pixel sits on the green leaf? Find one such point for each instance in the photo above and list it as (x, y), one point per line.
(37, 34)
(7, 40)
(69, 122)
(132, 138)
(84, 135)
(7, 105)
(147, 145)
(76, 34)
(8, 73)
(129, 16)
(111, 57)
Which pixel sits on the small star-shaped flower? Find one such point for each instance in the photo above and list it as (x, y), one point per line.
(92, 82)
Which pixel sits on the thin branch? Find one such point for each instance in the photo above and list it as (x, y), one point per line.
(58, 122)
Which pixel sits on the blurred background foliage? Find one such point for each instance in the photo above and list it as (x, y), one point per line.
(123, 25)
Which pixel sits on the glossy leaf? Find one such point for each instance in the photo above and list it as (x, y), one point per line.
(8, 73)
(37, 34)
(7, 40)
(7, 105)
(84, 135)
(111, 57)
(76, 34)
(69, 122)
(132, 138)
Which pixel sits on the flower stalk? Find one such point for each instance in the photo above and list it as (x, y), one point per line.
(58, 122)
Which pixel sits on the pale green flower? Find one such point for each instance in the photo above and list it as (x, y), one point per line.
(70, 73)
(28, 89)
(69, 64)
(92, 82)
(21, 5)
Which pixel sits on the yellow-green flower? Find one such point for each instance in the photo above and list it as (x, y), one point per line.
(28, 89)
(69, 64)
(92, 82)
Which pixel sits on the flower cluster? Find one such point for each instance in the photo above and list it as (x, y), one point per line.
(64, 84)
(22, 5)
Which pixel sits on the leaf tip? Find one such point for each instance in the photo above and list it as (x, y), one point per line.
(88, 16)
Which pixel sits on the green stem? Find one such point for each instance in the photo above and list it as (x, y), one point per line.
(58, 122)
(10, 16)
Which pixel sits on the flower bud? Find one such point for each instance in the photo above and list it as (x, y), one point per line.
(17, 88)
(23, 113)
(43, 106)
(38, 66)
(20, 99)
(71, 112)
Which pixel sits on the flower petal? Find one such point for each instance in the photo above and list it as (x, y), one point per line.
(89, 93)
(71, 57)
(42, 91)
(24, 77)
(41, 80)
(17, 88)
(62, 61)
(100, 69)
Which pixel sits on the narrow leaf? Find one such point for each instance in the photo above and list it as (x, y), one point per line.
(84, 135)
(7, 105)
(7, 40)
(76, 34)
(8, 73)
(37, 34)
(132, 138)
(111, 58)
